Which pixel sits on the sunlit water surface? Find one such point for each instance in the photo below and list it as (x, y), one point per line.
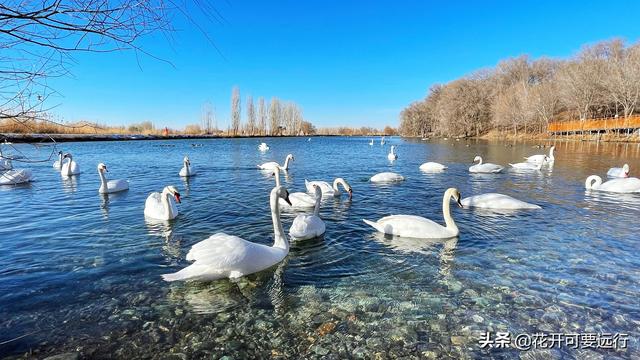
(80, 272)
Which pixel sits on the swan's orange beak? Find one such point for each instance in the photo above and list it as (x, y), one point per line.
(177, 196)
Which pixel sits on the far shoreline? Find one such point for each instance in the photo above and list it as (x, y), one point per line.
(59, 138)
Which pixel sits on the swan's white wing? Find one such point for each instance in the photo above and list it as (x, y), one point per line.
(306, 227)
(15, 176)
(496, 201)
(387, 177)
(617, 172)
(272, 165)
(410, 226)
(153, 206)
(622, 185)
(536, 158)
(117, 185)
(432, 166)
(326, 189)
(299, 200)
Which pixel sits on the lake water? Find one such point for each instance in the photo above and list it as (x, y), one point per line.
(80, 272)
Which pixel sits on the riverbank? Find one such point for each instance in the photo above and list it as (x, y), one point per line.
(43, 138)
(603, 137)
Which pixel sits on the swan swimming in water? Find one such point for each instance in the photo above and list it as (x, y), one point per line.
(544, 159)
(307, 226)
(58, 163)
(622, 185)
(622, 172)
(371, 142)
(227, 256)
(263, 147)
(328, 190)
(15, 176)
(272, 164)
(187, 170)
(432, 167)
(386, 177)
(160, 206)
(487, 168)
(419, 227)
(392, 154)
(69, 168)
(110, 186)
(496, 201)
(527, 166)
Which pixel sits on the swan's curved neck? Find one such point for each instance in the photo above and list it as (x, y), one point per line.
(551, 153)
(279, 240)
(479, 160)
(187, 167)
(68, 173)
(593, 182)
(316, 207)
(60, 159)
(277, 175)
(446, 212)
(286, 163)
(164, 198)
(103, 179)
(336, 188)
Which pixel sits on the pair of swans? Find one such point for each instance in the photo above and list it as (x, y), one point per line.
(304, 226)
(622, 172)
(263, 147)
(110, 186)
(161, 206)
(227, 256)
(542, 158)
(621, 185)
(187, 170)
(487, 168)
(69, 167)
(392, 153)
(272, 165)
(420, 227)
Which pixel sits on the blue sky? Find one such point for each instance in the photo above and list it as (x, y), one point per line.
(346, 63)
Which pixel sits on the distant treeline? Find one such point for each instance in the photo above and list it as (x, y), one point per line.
(521, 94)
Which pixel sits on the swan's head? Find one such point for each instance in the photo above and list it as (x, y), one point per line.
(625, 168)
(283, 193)
(592, 182)
(187, 161)
(317, 191)
(477, 158)
(60, 152)
(345, 185)
(173, 191)
(102, 167)
(67, 156)
(457, 197)
(290, 157)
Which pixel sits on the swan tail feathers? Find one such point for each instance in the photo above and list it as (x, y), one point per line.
(172, 277)
(374, 225)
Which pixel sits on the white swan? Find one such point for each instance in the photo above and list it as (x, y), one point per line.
(263, 147)
(227, 256)
(542, 158)
(496, 201)
(328, 190)
(622, 172)
(382, 141)
(58, 163)
(419, 227)
(527, 165)
(386, 177)
(110, 186)
(70, 167)
(371, 142)
(15, 177)
(484, 168)
(432, 167)
(623, 185)
(187, 170)
(392, 154)
(160, 206)
(272, 164)
(307, 226)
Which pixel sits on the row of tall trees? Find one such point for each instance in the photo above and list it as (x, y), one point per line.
(275, 118)
(524, 95)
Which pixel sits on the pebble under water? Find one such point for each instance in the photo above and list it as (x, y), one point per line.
(80, 272)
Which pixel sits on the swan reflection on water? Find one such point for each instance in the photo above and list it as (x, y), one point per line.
(106, 199)
(264, 289)
(172, 246)
(70, 184)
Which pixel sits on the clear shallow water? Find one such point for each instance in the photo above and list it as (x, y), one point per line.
(81, 272)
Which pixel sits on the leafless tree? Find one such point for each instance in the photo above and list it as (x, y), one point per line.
(251, 117)
(262, 117)
(275, 114)
(235, 110)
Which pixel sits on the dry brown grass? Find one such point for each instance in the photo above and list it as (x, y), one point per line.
(49, 127)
